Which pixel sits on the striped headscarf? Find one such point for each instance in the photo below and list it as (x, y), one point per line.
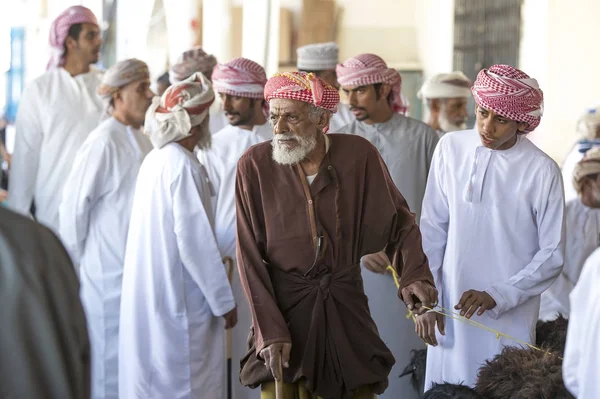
(369, 69)
(59, 31)
(589, 165)
(190, 62)
(182, 106)
(511, 93)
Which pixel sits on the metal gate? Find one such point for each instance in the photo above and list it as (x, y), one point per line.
(485, 33)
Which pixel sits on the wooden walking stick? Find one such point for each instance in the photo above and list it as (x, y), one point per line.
(229, 340)
(279, 383)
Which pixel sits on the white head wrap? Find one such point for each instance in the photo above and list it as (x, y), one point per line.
(317, 57)
(446, 85)
(183, 106)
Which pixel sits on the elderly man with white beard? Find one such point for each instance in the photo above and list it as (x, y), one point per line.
(309, 206)
(446, 95)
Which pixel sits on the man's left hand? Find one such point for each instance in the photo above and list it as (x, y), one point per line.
(473, 300)
(427, 296)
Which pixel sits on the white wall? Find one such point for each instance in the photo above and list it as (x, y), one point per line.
(572, 81)
(435, 35)
(384, 27)
(533, 56)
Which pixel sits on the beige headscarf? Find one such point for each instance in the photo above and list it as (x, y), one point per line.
(589, 165)
(588, 123)
(183, 106)
(118, 76)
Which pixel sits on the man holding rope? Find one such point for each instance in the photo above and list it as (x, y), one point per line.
(492, 226)
(309, 206)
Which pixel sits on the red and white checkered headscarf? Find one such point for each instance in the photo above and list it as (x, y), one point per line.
(59, 31)
(240, 77)
(302, 86)
(181, 107)
(369, 69)
(511, 93)
(190, 62)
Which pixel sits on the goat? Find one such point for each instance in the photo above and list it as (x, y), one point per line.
(416, 369)
(451, 391)
(518, 373)
(552, 335)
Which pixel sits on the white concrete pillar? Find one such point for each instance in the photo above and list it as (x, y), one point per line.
(260, 33)
(216, 28)
(133, 21)
(180, 15)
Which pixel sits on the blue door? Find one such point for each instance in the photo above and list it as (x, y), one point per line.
(15, 78)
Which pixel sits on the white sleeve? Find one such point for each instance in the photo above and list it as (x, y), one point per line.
(88, 181)
(547, 263)
(197, 245)
(26, 154)
(435, 218)
(572, 354)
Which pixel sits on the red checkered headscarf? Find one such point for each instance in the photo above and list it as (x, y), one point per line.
(240, 77)
(190, 62)
(511, 93)
(59, 31)
(369, 69)
(305, 87)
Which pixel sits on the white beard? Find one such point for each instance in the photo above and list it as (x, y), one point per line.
(285, 156)
(448, 126)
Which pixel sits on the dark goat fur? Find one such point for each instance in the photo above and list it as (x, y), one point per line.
(518, 373)
(451, 391)
(416, 369)
(552, 335)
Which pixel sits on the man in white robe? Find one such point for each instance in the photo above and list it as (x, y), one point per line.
(446, 96)
(581, 364)
(493, 227)
(582, 216)
(321, 59)
(197, 60)
(96, 207)
(240, 84)
(406, 145)
(44, 346)
(57, 112)
(175, 290)
(588, 130)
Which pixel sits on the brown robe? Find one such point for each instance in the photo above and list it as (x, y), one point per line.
(44, 346)
(353, 208)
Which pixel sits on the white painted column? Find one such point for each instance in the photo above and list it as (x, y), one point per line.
(260, 33)
(216, 28)
(133, 21)
(179, 16)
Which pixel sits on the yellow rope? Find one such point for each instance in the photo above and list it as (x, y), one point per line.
(457, 316)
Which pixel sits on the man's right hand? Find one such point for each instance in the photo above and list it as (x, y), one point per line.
(276, 355)
(231, 318)
(377, 262)
(425, 327)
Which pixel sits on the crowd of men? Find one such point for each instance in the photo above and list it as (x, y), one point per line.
(238, 231)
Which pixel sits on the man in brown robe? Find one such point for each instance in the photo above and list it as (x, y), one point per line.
(309, 206)
(44, 346)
